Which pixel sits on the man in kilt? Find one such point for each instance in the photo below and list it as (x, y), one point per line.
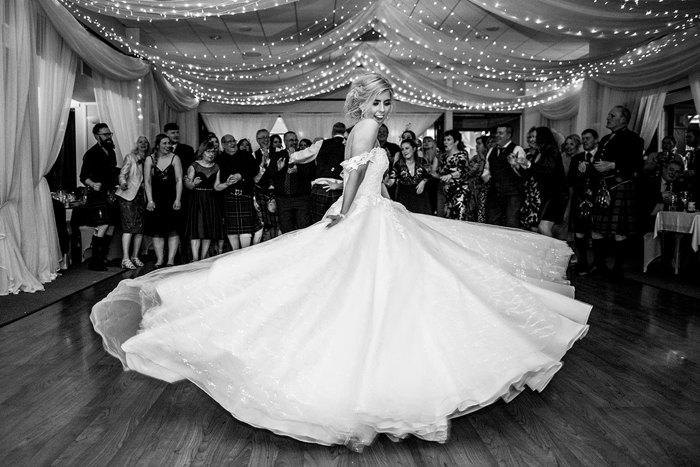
(584, 180)
(620, 160)
(327, 187)
(99, 174)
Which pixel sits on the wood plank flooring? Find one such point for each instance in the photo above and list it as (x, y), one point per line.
(629, 394)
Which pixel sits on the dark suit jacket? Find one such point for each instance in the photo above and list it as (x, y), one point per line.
(651, 196)
(186, 155)
(626, 149)
(299, 182)
(330, 155)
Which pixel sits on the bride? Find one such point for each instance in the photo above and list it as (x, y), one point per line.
(374, 320)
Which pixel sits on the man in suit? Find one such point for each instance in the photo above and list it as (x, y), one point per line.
(327, 187)
(505, 195)
(187, 157)
(661, 192)
(620, 161)
(99, 174)
(292, 186)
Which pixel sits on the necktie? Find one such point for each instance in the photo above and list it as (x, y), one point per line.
(589, 157)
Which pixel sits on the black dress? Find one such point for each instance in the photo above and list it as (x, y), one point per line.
(163, 220)
(203, 213)
(406, 184)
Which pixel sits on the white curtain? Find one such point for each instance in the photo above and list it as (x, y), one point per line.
(649, 111)
(116, 106)
(238, 125)
(56, 68)
(15, 160)
(694, 82)
(416, 122)
(306, 125)
(178, 106)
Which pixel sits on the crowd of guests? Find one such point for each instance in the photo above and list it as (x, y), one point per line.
(587, 189)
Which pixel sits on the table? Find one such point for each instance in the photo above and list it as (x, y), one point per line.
(678, 222)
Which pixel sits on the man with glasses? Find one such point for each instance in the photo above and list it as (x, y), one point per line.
(99, 174)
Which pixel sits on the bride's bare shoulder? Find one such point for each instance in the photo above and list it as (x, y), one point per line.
(364, 136)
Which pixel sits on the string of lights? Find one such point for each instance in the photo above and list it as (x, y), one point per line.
(500, 79)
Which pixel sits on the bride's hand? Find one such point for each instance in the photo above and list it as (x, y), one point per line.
(335, 218)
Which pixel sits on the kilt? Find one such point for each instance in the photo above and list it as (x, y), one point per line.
(269, 219)
(131, 213)
(99, 211)
(240, 216)
(321, 200)
(621, 216)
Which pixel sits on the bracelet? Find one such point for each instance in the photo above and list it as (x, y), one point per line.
(341, 215)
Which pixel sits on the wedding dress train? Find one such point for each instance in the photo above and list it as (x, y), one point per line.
(388, 322)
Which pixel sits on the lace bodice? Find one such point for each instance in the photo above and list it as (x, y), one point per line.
(377, 163)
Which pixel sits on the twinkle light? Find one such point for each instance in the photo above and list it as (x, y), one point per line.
(149, 10)
(326, 55)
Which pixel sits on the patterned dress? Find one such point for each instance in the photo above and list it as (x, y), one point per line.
(456, 190)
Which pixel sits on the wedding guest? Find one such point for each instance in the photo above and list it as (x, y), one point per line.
(571, 147)
(203, 216)
(244, 145)
(654, 163)
(264, 194)
(547, 170)
(304, 143)
(584, 181)
(506, 160)
(480, 185)
(453, 175)
(162, 175)
(412, 174)
(236, 180)
(431, 154)
(132, 203)
(99, 175)
(276, 143)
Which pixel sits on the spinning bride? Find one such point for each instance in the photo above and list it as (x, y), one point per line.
(374, 320)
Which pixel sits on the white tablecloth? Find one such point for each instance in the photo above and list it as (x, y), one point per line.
(680, 222)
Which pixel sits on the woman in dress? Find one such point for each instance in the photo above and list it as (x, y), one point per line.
(203, 214)
(411, 174)
(570, 148)
(546, 172)
(132, 203)
(162, 176)
(236, 180)
(283, 344)
(480, 185)
(453, 175)
(432, 157)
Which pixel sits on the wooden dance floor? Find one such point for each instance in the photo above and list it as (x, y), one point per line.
(628, 394)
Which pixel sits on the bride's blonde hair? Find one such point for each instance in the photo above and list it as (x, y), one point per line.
(364, 89)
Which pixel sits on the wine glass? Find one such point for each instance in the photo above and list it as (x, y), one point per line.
(684, 198)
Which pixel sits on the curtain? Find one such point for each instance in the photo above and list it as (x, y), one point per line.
(238, 125)
(316, 125)
(694, 82)
(56, 68)
(100, 56)
(16, 66)
(416, 122)
(116, 106)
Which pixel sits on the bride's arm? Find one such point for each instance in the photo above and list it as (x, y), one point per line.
(364, 137)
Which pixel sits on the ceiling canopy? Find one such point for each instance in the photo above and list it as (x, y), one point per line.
(448, 54)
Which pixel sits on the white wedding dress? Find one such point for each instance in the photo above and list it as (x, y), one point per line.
(388, 322)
